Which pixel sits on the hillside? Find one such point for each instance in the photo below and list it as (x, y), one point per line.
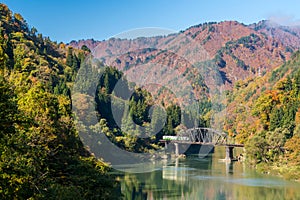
(263, 113)
(42, 156)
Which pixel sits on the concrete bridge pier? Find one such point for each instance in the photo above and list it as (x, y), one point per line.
(176, 149)
(229, 153)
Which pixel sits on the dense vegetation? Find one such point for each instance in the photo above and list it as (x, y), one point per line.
(41, 154)
(271, 132)
(140, 122)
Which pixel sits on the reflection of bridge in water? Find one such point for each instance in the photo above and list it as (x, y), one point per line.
(200, 138)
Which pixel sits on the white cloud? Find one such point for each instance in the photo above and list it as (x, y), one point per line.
(283, 19)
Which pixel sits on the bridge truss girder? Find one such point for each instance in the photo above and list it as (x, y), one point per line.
(205, 135)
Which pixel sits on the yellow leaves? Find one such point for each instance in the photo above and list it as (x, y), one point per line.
(265, 103)
(63, 104)
(297, 118)
(40, 105)
(119, 139)
(27, 60)
(3, 58)
(231, 133)
(43, 62)
(18, 17)
(244, 130)
(241, 139)
(84, 107)
(264, 118)
(17, 35)
(280, 85)
(68, 70)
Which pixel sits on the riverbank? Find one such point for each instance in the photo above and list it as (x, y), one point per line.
(286, 171)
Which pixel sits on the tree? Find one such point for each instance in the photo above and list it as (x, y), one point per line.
(173, 119)
(276, 118)
(85, 48)
(158, 121)
(33, 31)
(70, 58)
(256, 149)
(264, 105)
(127, 123)
(8, 108)
(20, 164)
(292, 147)
(107, 84)
(276, 140)
(289, 117)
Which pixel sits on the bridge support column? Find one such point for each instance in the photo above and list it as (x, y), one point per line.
(166, 145)
(229, 153)
(176, 149)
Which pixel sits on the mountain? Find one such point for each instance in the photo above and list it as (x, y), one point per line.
(288, 35)
(251, 101)
(240, 51)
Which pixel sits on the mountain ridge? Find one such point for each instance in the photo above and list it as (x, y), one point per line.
(227, 43)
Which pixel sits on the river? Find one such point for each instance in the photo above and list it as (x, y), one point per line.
(204, 178)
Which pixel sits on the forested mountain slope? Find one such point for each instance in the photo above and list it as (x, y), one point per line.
(264, 112)
(41, 154)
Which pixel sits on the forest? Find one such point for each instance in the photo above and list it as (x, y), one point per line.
(42, 156)
(264, 115)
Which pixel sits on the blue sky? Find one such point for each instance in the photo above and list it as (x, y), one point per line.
(65, 20)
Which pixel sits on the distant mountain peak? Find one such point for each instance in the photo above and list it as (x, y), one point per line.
(240, 50)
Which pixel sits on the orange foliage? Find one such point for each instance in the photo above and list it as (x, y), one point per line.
(293, 150)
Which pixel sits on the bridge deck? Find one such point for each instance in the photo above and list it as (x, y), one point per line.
(200, 136)
(201, 143)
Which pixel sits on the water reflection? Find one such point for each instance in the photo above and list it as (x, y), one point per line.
(176, 172)
(229, 167)
(208, 178)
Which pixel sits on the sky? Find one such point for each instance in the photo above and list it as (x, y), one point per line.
(66, 20)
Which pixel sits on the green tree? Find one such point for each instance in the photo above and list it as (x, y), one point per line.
(276, 118)
(85, 48)
(69, 60)
(276, 140)
(257, 149)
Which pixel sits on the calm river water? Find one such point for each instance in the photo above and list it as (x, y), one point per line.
(195, 178)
